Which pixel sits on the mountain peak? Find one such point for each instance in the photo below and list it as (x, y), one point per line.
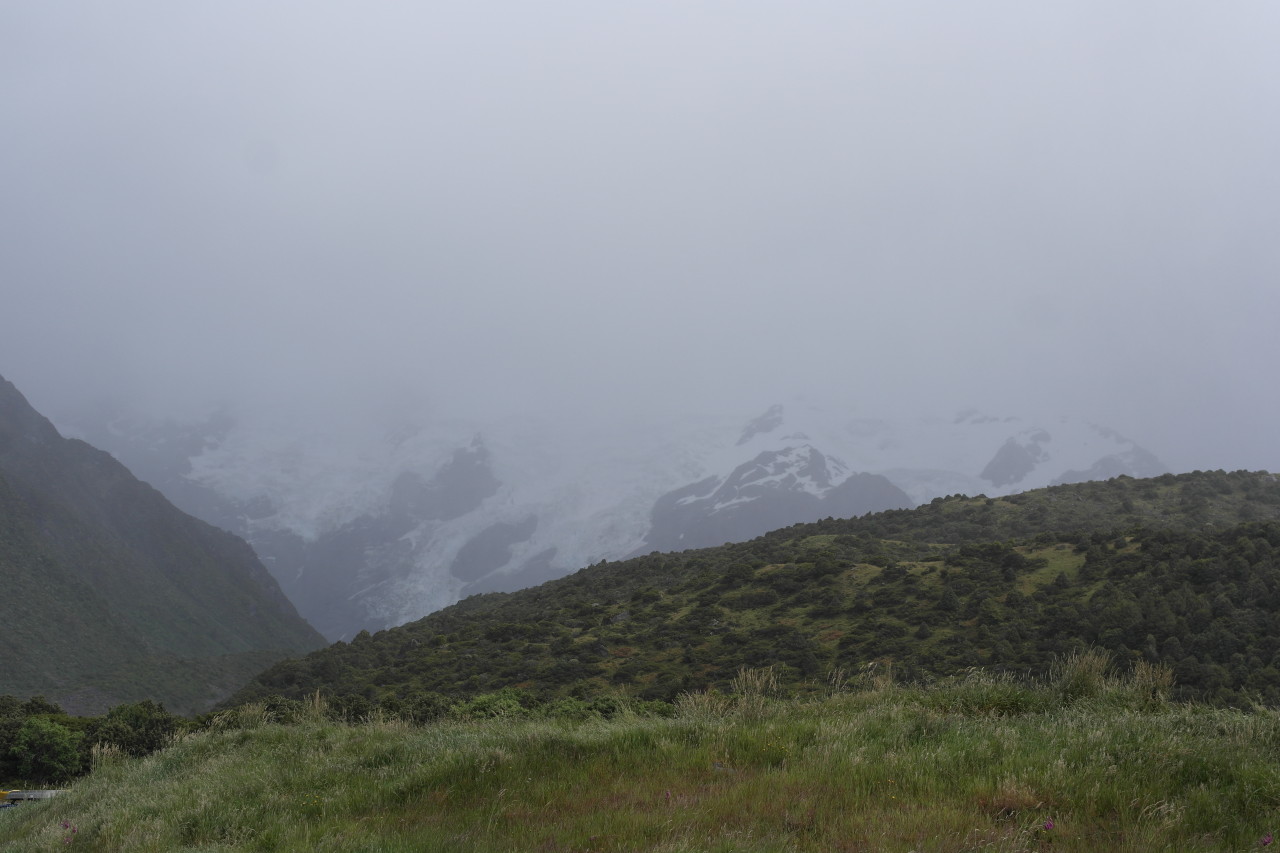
(1017, 457)
(775, 489)
(767, 422)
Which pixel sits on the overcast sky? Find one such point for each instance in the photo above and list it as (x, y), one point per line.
(1025, 207)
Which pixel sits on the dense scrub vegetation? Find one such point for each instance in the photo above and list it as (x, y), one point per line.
(1178, 571)
(42, 746)
(1085, 762)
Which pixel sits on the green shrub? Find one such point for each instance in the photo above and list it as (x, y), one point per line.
(136, 729)
(504, 703)
(46, 752)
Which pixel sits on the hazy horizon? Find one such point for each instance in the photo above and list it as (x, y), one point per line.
(567, 209)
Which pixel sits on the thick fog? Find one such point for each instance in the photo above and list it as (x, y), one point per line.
(578, 207)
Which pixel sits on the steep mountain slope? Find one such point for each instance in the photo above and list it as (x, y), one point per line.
(110, 593)
(1182, 571)
(369, 524)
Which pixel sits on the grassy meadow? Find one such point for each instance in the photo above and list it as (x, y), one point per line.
(1085, 763)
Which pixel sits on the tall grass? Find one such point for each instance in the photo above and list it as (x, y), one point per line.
(978, 763)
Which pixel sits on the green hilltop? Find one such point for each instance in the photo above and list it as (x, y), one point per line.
(1180, 571)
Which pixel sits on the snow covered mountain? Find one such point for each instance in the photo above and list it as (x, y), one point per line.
(775, 489)
(371, 524)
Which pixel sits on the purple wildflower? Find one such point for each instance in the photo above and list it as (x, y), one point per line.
(1266, 840)
(1048, 824)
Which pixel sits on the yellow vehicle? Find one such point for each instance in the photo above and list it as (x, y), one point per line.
(24, 795)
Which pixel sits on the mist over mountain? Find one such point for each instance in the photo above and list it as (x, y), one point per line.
(369, 528)
(489, 294)
(558, 211)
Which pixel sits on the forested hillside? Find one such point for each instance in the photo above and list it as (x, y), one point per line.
(1183, 571)
(110, 594)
